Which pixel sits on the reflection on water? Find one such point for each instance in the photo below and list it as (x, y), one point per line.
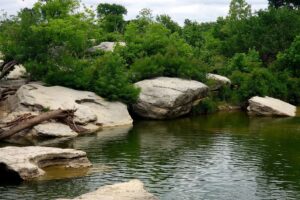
(221, 156)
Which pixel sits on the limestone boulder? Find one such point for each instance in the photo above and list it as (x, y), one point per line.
(132, 190)
(91, 110)
(26, 163)
(106, 46)
(164, 97)
(268, 106)
(218, 81)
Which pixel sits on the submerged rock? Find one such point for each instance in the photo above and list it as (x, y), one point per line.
(165, 97)
(106, 46)
(27, 163)
(132, 190)
(218, 80)
(269, 106)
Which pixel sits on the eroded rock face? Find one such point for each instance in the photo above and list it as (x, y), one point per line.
(28, 162)
(268, 106)
(132, 190)
(164, 97)
(91, 109)
(106, 46)
(218, 80)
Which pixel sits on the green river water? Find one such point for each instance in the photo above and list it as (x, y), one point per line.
(222, 156)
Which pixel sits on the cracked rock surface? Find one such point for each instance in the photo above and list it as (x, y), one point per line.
(28, 162)
(164, 97)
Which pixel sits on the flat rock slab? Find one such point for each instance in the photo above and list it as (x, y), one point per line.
(28, 162)
(268, 106)
(165, 97)
(132, 190)
(54, 129)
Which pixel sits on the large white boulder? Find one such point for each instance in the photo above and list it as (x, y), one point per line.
(106, 46)
(269, 106)
(91, 110)
(27, 163)
(165, 97)
(132, 190)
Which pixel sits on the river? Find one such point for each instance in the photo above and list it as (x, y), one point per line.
(221, 156)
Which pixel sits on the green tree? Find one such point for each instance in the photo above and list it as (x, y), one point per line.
(111, 17)
(289, 60)
(168, 23)
(239, 9)
(281, 3)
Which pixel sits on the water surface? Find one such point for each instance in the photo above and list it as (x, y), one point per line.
(221, 156)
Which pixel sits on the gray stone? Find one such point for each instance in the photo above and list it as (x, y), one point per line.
(106, 46)
(268, 106)
(218, 81)
(165, 97)
(28, 162)
(132, 190)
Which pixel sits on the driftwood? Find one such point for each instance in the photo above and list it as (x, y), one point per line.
(7, 67)
(28, 121)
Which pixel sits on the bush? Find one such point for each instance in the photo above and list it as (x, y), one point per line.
(110, 79)
(206, 106)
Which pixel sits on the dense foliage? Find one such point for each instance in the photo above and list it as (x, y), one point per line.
(259, 52)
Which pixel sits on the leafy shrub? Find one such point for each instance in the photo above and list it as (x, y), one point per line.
(110, 79)
(206, 106)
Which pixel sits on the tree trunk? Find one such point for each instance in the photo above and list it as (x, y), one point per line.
(28, 123)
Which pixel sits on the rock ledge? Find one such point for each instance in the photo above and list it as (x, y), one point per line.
(28, 162)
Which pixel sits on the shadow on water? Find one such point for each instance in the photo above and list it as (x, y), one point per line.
(220, 156)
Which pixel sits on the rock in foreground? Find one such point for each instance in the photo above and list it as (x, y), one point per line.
(26, 163)
(132, 190)
(163, 97)
(268, 106)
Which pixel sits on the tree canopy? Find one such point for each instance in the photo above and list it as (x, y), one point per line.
(52, 39)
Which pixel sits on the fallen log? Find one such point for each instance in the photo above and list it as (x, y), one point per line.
(25, 122)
